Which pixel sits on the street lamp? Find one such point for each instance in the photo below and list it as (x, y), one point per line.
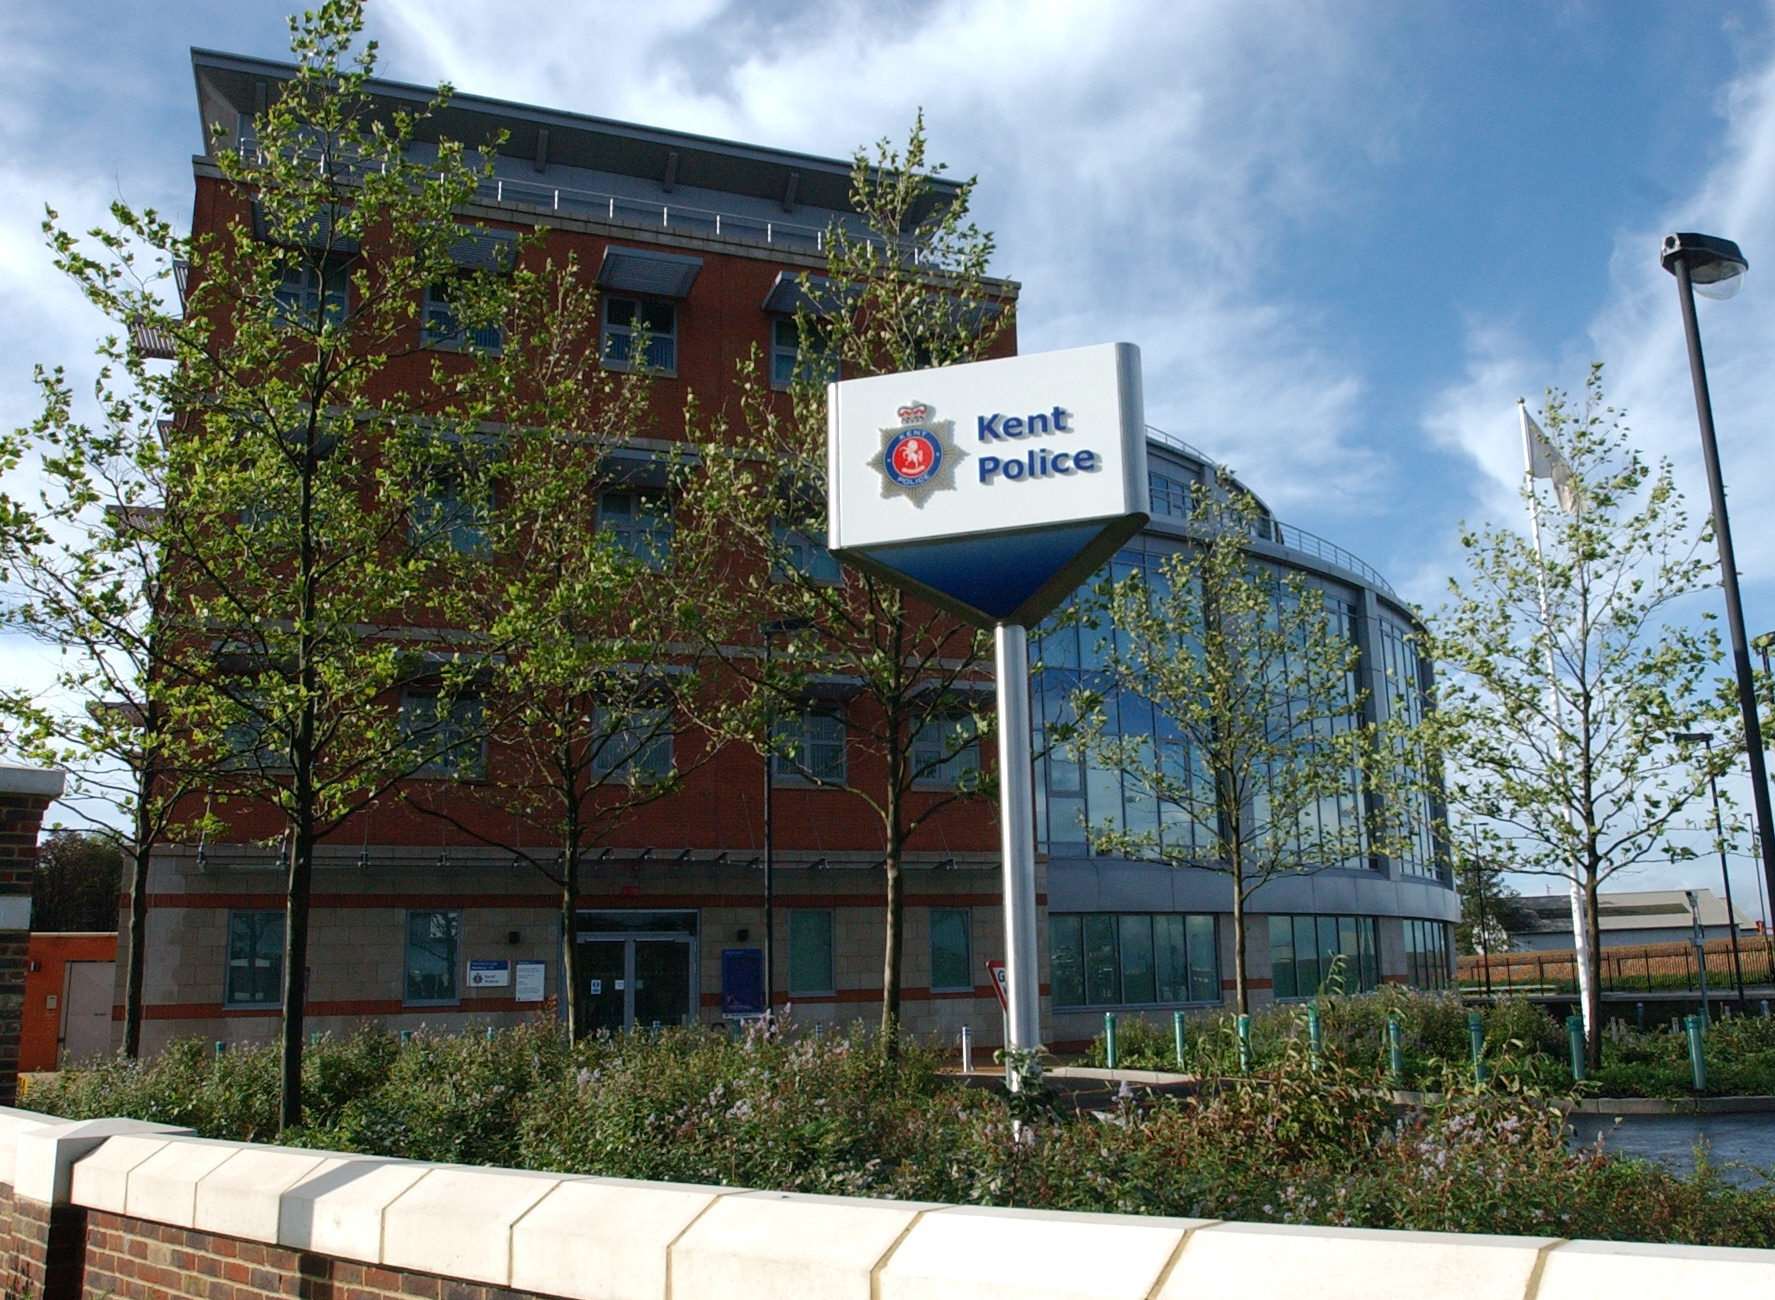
(1719, 835)
(770, 632)
(1711, 266)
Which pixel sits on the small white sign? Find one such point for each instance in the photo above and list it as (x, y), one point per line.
(597, 986)
(489, 974)
(531, 981)
(619, 986)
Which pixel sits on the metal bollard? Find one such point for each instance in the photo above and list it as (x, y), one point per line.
(1244, 1028)
(314, 1038)
(1109, 1039)
(1315, 1034)
(1697, 1062)
(1764, 1005)
(1177, 1034)
(221, 1049)
(967, 1050)
(1574, 1037)
(1396, 1051)
(406, 1037)
(1476, 1036)
(491, 1033)
(1639, 1016)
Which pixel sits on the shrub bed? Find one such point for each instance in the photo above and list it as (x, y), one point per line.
(794, 1112)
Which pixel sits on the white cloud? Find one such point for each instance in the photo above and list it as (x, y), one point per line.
(1130, 159)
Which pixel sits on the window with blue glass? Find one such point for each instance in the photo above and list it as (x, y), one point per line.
(443, 326)
(791, 360)
(638, 522)
(806, 554)
(1402, 673)
(442, 512)
(310, 296)
(628, 319)
(946, 753)
(1427, 960)
(632, 748)
(444, 733)
(1098, 959)
(809, 746)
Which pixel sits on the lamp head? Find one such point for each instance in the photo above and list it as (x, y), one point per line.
(1693, 737)
(1715, 264)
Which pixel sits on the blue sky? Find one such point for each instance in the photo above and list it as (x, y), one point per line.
(1346, 236)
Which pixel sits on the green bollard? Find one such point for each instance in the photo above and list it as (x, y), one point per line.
(1574, 1037)
(1244, 1025)
(1109, 1039)
(1177, 1034)
(1639, 1016)
(1315, 1034)
(1396, 1051)
(491, 1035)
(314, 1038)
(1697, 1062)
(406, 1037)
(1476, 1036)
(221, 1049)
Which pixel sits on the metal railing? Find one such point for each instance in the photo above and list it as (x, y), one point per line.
(1288, 536)
(599, 205)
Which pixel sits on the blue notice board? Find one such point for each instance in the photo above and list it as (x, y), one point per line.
(742, 981)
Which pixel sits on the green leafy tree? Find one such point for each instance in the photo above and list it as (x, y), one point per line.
(77, 879)
(1490, 907)
(1558, 730)
(88, 576)
(1263, 752)
(325, 441)
(904, 288)
(581, 686)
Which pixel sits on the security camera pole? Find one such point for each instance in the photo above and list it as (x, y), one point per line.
(992, 490)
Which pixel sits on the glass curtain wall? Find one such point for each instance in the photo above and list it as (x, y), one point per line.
(1102, 959)
(1305, 952)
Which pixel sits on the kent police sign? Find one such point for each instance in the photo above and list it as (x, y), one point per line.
(992, 488)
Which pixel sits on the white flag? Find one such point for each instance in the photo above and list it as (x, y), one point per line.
(1541, 459)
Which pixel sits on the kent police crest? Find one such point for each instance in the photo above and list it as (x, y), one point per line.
(914, 460)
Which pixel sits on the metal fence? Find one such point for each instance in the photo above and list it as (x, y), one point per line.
(1647, 968)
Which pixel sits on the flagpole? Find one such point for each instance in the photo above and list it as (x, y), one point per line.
(1580, 931)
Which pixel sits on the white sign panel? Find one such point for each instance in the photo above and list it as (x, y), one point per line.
(489, 974)
(993, 487)
(531, 978)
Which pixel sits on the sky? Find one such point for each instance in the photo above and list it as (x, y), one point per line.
(1346, 236)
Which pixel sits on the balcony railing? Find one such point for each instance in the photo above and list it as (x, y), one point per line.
(1288, 536)
(618, 209)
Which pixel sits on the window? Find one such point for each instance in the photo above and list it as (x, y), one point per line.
(440, 510)
(432, 941)
(450, 745)
(1305, 950)
(252, 737)
(311, 296)
(636, 748)
(255, 959)
(947, 748)
(810, 950)
(809, 747)
(626, 317)
(806, 554)
(951, 966)
(1132, 959)
(639, 523)
(443, 328)
(1169, 495)
(786, 363)
(1426, 954)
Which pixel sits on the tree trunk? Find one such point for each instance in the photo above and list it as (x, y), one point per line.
(890, 956)
(570, 949)
(138, 935)
(1241, 992)
(295, 989)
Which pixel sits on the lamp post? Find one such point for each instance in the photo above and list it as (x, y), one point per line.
(770, 632)
(1719, 835)
(1484, 944)
(1714, 266)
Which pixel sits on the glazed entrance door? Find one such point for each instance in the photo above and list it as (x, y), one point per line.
(637, 970)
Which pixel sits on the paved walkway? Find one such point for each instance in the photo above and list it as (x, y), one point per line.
(1733, 1141)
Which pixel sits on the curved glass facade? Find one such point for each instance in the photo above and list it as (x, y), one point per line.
(1145, 934)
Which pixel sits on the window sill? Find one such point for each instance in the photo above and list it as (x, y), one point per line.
(251, 1006)
(458, 346)
(430, 1006)
(1119, 1007)
(792, 994)
(624, 367)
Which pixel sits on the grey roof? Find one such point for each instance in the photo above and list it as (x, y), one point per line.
(1617, 910)
(235, 86)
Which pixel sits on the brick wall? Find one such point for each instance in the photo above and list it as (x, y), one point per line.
(25, 794)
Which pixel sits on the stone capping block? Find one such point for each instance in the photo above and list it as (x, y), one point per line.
(47, 782)
(12, 1123)
(458, 1220)
(164, 1186)
(47, 1156)
(241, 1197)
(1353, 1263)
(1637, 1270)
(784, 1246)
(605, 1238)
(100, 1181)
(337, 1209)
(983, 1253)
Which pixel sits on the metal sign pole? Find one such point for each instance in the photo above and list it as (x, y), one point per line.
(1017, 842)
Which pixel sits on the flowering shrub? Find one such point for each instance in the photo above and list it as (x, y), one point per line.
(781, 1109)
